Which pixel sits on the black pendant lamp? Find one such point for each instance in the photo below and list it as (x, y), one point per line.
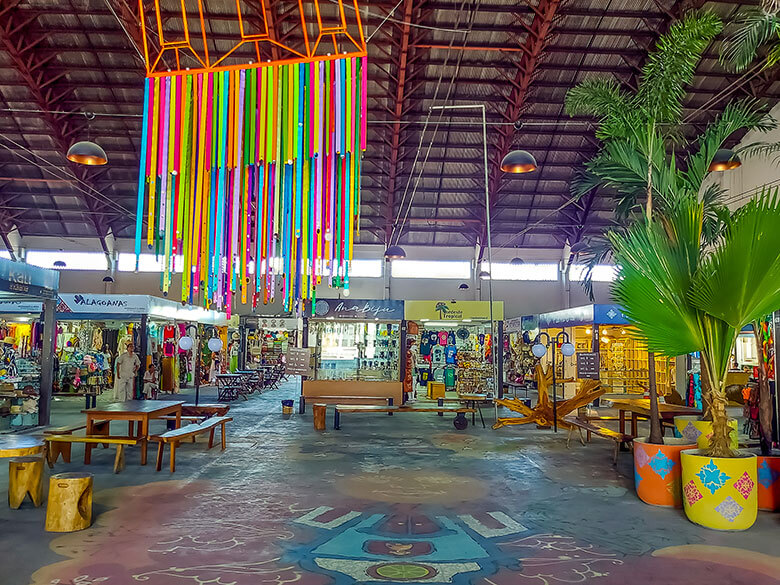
(516, 261)
(724, 160)
(87, 153)
(518, 161)
(395, 253)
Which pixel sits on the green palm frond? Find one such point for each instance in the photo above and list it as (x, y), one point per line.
(716, 215)
(604, 99)
(598, 251)
(670, 67)
(658, 261)
(739, 281)
(747, 114)
(760, 150)
(750, 30)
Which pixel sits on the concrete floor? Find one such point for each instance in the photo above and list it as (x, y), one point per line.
(403, 499)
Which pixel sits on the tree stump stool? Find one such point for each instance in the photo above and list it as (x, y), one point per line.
(25, 476)
(70, 502)
(319, 416)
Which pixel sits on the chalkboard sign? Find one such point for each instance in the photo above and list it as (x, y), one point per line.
(588, 365)
(298, 361)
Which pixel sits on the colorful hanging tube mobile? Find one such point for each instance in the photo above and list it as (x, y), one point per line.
(250, 179)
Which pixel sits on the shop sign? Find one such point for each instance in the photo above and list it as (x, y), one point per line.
(20, 278)
(450, 310)
(567, 317)
(104, 304)
(359, 309)
(20, 307)
(298, 361)
(588, 365)
(609, 315)
(513, 325)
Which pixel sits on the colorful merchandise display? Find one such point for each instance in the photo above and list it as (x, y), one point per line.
(250, 179)
(20, 372)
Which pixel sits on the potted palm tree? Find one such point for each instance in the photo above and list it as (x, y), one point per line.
(650, 165)
(755, 33)
(686, 297)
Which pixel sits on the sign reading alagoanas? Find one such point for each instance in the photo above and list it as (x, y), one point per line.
(449, 310)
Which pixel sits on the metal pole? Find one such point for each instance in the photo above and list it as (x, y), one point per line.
(47, 361)
(197, 365)
(144, 340)
(496, 344)
(555, 394)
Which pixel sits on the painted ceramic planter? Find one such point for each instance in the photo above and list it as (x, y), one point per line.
(698, 431)
(657, 471)
(720, 493)
(769, 483)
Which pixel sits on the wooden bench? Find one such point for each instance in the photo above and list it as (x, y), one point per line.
(176, 436)
(460, 421)
(592, 427)
(338, 399)
(63, 448)
(120, 442)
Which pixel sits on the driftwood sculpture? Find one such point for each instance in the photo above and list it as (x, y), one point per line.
(542, 413)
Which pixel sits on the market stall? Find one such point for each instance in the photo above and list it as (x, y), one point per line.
(266, 339)
(455, 346)
(518, 359)
(622, 356)
(27, 343)
(356, 341)
(92, 329)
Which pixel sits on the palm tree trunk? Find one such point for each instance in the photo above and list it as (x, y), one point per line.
(720, 441)
(656, 434)
(764, 397)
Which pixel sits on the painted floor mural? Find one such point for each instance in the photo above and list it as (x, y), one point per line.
(385, 502)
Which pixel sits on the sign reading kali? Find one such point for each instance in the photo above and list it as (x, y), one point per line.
(357, 309)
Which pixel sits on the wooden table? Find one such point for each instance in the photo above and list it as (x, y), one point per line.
(140, 411)
(641, 407)
(20, 445)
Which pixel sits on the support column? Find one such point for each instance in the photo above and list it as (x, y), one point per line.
(47, 361)
(242, 329)
(498, 354)
(143, 331)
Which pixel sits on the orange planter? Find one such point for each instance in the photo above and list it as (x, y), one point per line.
(657, 471)
(769, 483)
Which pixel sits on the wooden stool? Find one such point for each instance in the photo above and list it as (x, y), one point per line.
(319, 416)
(70, 502)
(25, 476)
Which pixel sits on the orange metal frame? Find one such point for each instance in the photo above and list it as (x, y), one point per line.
(208, 63)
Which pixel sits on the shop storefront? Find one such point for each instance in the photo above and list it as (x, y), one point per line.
(27, 305)
(454, 346)
(266, 339)
(357, 339)
(622, 356)
(92, 329)
(518, 359)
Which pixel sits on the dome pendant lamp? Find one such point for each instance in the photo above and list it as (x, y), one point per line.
(395, 253)
(518, 161)
(724, 160)
(87, 153)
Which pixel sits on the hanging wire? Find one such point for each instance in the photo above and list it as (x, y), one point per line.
(48, 168)
(396, 229)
